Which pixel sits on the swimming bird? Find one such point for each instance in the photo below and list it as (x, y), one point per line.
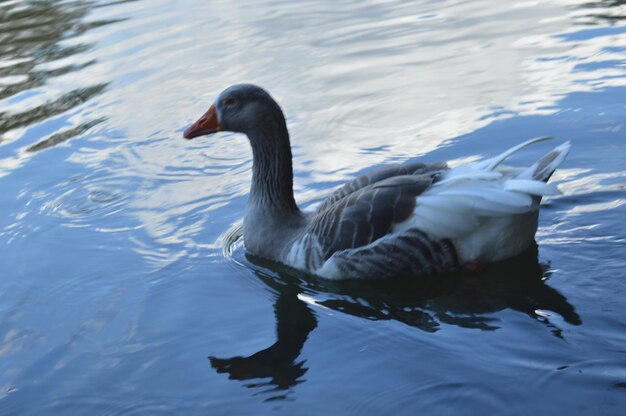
(411, 219)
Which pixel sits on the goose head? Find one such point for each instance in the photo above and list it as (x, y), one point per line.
(242, 108)
(250, 110)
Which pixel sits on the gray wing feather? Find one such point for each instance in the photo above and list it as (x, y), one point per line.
(368, 213)
(410, 253)
(410, 168)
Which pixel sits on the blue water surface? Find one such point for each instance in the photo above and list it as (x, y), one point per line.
(124, 287)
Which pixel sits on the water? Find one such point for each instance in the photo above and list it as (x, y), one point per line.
(122, 291)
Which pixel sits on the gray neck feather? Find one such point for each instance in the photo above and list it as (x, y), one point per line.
(272, 173)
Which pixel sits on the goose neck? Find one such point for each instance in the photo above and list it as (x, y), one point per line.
(272, 173)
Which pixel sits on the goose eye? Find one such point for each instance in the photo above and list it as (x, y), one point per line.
(229, 101)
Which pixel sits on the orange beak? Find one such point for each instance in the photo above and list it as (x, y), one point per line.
(206, 124)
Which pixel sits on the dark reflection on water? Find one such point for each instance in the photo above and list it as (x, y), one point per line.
(66, 135)
(279, 362)
(31, 32)
(459, 299)
(607, 10)
(32, 35)
(66, 102)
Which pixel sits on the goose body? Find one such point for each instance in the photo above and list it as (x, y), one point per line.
(409, 219)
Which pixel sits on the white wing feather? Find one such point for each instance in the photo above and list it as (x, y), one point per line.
(467, 196)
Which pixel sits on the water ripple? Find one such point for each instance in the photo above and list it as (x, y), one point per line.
(120, 267)
(83, 404)
(78, 200)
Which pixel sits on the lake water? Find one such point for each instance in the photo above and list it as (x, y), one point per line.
(123, 287)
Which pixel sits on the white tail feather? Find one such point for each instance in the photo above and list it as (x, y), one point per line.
(491, 164)
(470, 197)
(450, 224)
(531, 187)
(495, 196)
(539, 172)
(457, 175)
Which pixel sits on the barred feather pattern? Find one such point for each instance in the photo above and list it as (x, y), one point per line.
(409, 253)
(410, 168)
(367, 214)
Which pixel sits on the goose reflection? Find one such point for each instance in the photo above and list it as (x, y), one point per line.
(459, 299)
(279, 362)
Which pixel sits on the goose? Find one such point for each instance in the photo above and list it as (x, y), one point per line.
(411, 219)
